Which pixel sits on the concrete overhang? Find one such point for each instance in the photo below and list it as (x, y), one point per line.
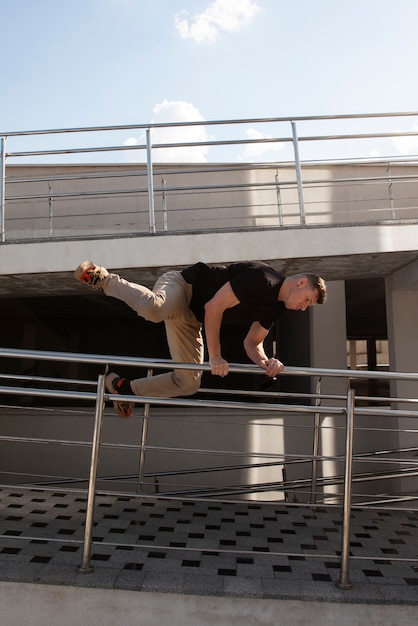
(336, 252)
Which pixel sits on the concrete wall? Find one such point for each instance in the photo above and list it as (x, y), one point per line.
(72, 200)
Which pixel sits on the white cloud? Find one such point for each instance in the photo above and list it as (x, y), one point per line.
(179, 111)
(221, 15)
(255, 151)
(408, 144)
(131, 142)
(175, 111)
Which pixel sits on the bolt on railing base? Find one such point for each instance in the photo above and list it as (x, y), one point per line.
(85, 570)
(346, 586)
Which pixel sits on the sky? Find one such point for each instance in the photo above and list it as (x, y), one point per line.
(84, 63)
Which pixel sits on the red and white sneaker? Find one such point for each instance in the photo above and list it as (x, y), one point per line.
(113, 384)
(90, 274)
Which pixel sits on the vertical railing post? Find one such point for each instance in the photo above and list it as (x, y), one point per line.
(165, 221)
(144, 434)
(315, 446)
(151, 210)
(2, 188)
(344, 581)
(86, 567)
(298, 175)
(390, 191)
(51, 210)
(279, 200)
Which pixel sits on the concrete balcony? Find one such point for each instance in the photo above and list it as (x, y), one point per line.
(336, 252)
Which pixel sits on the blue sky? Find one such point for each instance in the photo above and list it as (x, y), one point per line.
(83, 63)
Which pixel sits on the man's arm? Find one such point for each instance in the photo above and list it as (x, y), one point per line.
(224, 298)
(254, 347)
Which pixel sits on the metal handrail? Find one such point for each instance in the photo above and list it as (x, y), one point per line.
(297, 208)
(99, 397)
(105, 359)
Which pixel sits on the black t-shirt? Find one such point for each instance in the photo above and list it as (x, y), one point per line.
(255, 284)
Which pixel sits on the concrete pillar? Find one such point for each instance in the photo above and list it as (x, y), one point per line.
(402, 316)
(328, 350)
(328, 330)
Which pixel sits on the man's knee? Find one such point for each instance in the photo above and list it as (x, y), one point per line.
(188, 381)
(153, 308)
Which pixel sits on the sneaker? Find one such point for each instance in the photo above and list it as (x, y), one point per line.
(90, 274)
(112, 382)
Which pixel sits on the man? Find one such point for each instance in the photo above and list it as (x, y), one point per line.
(247, 293)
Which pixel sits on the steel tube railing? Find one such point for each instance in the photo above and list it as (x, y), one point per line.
(144, 434)
(316, 441)
(252, 120)
(344, 582)
(348, 411)
(85, 566)
(151, 210)
(72, 357)
(389, 177)
(298, 175)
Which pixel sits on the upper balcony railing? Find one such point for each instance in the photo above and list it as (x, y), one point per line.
(208, 175)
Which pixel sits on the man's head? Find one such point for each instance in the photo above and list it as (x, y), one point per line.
(300, 291)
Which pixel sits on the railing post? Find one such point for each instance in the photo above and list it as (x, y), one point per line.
(317, 427)
(391, 201)
(151, 209)
(344, 581)
(86, 567)
(298, 175)
(144, 434)
(164, 195)
(2, 187)
(51, 210)
(279, 200)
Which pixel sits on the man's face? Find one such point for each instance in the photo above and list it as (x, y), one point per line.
(301, 296)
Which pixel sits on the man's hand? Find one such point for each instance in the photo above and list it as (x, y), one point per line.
(253, 344)
(272, 367)
(219, 367)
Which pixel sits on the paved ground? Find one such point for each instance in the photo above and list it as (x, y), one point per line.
(210, 549)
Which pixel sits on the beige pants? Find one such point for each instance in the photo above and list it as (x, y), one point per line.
(169, 302)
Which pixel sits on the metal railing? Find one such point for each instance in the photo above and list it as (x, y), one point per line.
(290, 172)
(316, 405)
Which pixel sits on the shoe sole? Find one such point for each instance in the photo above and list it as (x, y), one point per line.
(81, 269)
(81, 274)
(123, 409)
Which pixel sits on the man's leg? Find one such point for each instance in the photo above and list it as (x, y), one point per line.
(184, 339)
(168, 301)
(168, 295)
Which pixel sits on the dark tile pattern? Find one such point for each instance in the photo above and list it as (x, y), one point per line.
(269, 550)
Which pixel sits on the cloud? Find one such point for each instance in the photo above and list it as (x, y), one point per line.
(255, 151)
(221, 15)
(131, 142)
(408, 144)
(180, 112)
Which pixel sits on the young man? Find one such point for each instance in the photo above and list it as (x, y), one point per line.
(250, 293)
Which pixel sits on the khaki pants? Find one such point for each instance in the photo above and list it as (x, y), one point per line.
(168, 301)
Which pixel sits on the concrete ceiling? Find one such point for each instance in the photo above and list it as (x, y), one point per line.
(342, 267)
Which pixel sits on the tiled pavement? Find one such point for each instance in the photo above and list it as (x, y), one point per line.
(208, 548)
